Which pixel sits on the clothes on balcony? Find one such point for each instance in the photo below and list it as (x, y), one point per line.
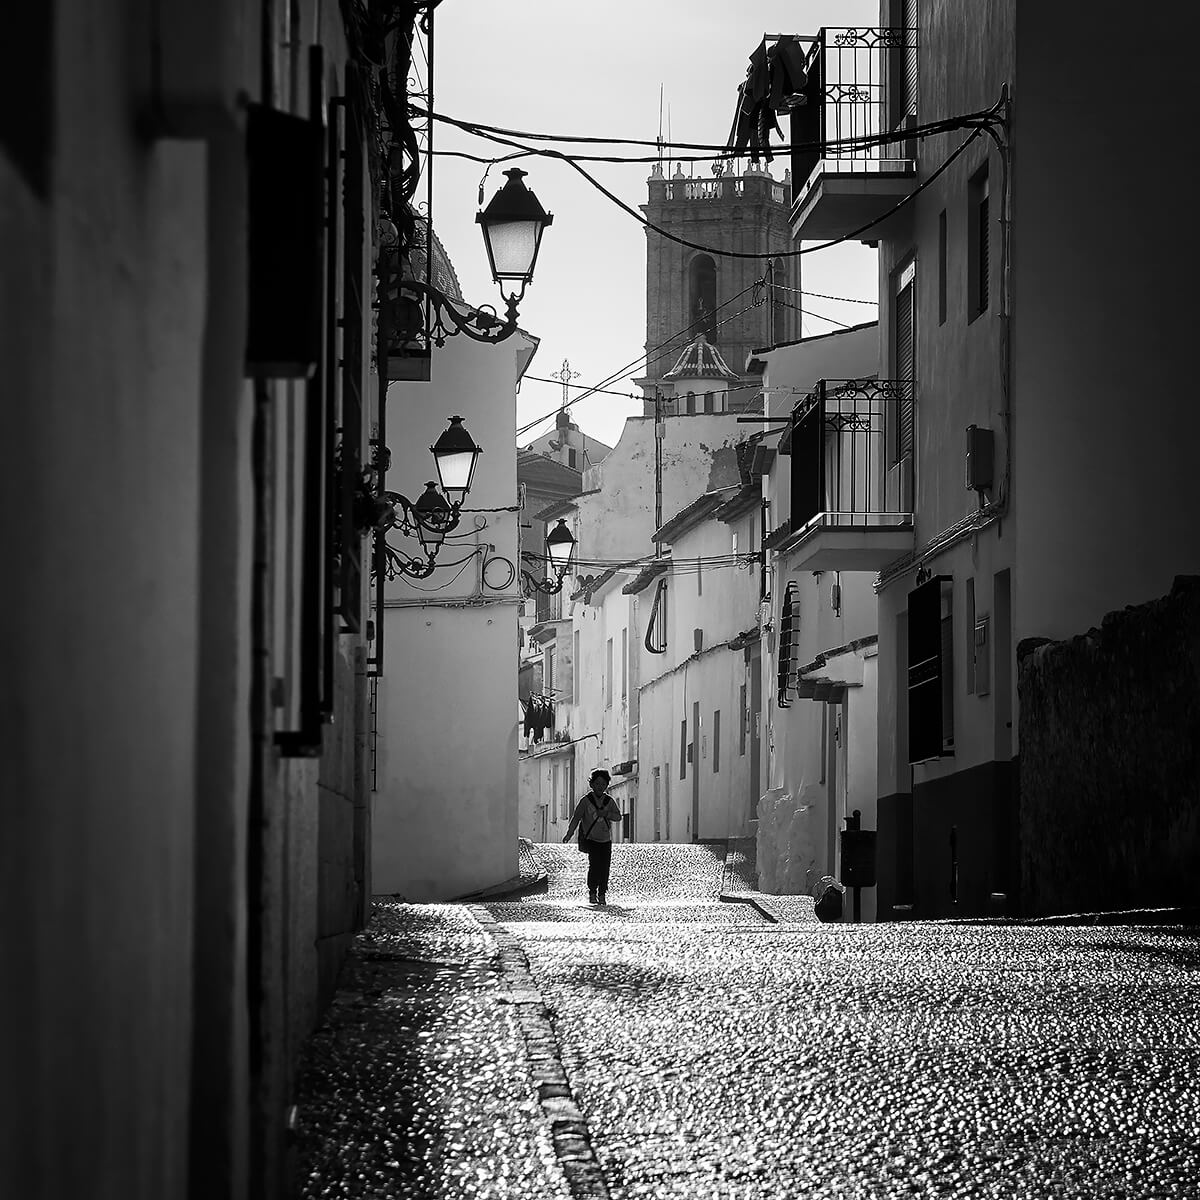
(539, 717)
(776, 72)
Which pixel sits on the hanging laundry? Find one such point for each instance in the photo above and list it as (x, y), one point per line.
(774, 83)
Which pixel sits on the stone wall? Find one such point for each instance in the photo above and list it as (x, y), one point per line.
(1110, 761)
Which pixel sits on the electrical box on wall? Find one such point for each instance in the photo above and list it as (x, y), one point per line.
(980, 458)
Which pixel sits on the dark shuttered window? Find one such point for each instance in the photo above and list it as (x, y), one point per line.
(930, 684)
(788, 620)
(906, 363)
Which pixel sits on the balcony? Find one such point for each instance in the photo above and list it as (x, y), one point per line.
(861, 83)
(852, 448)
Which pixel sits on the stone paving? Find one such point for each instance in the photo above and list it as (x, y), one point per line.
(417, 1084)
(712, 1055)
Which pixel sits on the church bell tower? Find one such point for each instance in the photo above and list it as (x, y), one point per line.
(692, 293)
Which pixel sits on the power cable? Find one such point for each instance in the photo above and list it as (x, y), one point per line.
(852, 235)
(926, 129)
(645, 358)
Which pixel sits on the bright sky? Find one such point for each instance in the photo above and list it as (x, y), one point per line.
(566, 67)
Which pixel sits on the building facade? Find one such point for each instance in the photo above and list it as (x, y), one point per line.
(188, 244)
(819, 685)
(1012, 496)
(444, 811)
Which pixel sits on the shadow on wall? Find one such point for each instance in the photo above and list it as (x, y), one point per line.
(1110, 761)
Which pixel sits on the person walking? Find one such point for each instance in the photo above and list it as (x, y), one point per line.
(594, 816)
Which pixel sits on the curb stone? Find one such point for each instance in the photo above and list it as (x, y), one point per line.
(569, 1132)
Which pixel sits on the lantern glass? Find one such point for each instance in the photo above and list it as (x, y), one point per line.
(513, 224)
(455, 455)
(433, 516)
(512, 248)
(560, 546)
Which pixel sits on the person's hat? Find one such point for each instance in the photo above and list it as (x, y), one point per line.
(600, 771)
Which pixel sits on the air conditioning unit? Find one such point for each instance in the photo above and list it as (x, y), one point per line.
(980, 458)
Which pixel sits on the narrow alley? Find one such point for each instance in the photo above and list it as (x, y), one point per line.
(711, 1053)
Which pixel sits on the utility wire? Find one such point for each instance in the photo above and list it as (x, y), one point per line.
(927, 129)
(978, 122)
(665, 347)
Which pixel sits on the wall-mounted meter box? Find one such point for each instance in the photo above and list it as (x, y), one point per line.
(980, 458)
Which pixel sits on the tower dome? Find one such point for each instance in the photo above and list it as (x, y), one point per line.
(700, 360)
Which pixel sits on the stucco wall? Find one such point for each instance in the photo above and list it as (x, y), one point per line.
(1106, 430)
(1110, 761)
(618, 521)
(444, 820)
(444, 817)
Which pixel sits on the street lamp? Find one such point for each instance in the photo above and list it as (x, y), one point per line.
(455, 455)
(560, 547)
(433, 515)
(512, 225)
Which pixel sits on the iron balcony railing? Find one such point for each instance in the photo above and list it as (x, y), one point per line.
(852, 449)
(861, 83)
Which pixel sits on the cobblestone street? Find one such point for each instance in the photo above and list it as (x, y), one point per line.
(673, 1045)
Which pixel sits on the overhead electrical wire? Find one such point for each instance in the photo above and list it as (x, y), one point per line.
(852, 235)
(644, 358)
(926, 129)
(978, 122)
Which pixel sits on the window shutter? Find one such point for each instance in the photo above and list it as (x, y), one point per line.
(908, 19)
(925, 671)
(981, 300)
(906, 367)
(787, 623)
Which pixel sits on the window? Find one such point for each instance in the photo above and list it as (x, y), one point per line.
(980, 659)
(942, 267)
(716, 741)
(930, 670)
(779, 303)
(743, 719)
(624, 663)
(978, 282)
(905, 350)
(709, 403)
(970, 631)
(658, 802)
(571, 459)
(575, 667)
(548, 674)
(608, 673)
(691, 403)
(788, 621)
(683, 749)
(702, 296)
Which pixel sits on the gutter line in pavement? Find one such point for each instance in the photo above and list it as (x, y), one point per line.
(569, 1132)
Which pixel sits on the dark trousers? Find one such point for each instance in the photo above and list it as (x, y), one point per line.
(599, 860)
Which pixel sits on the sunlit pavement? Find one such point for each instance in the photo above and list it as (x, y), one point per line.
(712, 1054)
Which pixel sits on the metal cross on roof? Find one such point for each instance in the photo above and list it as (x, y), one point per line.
(565, 374)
